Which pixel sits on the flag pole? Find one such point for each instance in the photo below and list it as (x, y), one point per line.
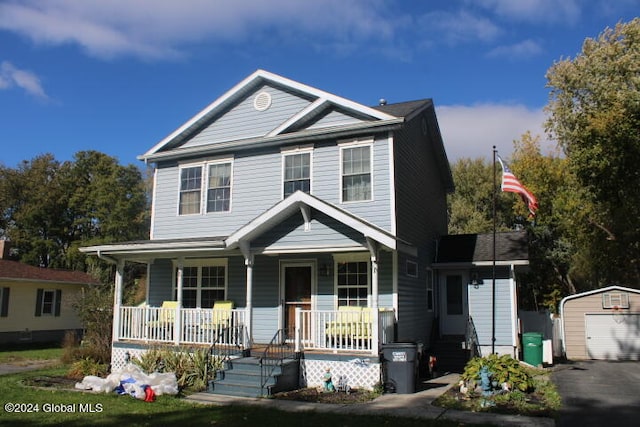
(493, 270)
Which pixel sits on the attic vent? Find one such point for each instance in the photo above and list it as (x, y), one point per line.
(262, 101)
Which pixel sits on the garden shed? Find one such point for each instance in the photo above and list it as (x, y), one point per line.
(602, 324)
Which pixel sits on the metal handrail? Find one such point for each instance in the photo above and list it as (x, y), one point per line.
(471, 338)
(274, 355)
(228, 350)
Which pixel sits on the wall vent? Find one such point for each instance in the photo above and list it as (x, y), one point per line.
(262, 101)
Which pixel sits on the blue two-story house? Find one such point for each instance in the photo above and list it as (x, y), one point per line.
(283, 214)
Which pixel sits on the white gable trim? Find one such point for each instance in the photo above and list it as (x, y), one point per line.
(274, 78)
(298, 201)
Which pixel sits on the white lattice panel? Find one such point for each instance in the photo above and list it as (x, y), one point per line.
(360, 373)
(118, 356)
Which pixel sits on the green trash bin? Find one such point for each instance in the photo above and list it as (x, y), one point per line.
(532, 348)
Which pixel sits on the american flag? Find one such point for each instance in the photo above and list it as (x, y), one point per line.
(511, 184)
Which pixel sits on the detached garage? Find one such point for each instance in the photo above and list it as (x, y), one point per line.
(602, 324)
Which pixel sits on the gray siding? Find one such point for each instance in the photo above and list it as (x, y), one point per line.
(334, 118)
(421, 201)
(480, 309)
(413, 317)
(244, 121)
(257, 186)
(160, 282)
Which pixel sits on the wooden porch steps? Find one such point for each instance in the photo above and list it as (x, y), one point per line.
(451, 356)
(244, 378)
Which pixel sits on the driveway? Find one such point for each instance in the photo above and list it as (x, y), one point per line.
(598, 393)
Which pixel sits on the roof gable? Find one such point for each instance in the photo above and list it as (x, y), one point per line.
(274, 106)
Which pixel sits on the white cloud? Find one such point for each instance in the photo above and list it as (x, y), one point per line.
(159, 28)
(459, 27)
(10, 76)
(533, 10)
(472, 131)
(524, 50)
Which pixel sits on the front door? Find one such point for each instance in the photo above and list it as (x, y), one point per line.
(297, 293)
(454, 305)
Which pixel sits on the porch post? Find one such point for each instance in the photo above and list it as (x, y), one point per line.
(177, 317)
(248, 261)
(117, 300)
(375, 312)
(249, 308)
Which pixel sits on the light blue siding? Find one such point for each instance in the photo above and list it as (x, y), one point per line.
(257, 186)
(244, 121)
(334, 118)
(480, 309)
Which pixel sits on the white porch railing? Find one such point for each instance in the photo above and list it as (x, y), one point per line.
(194, 325)
(343, 331)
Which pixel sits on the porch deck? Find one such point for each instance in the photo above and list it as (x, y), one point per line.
(333, 331)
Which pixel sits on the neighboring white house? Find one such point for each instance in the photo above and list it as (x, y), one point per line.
(36, 303)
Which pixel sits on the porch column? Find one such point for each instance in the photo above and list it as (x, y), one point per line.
(248, 261)
(375, 312)
(177, 317)
(117, 300)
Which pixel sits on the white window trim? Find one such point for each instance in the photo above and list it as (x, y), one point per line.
(204, 184)
(294, 151)
(211, 262)
(53, 303)
(352, 257)
(189, 166)
(344, 145)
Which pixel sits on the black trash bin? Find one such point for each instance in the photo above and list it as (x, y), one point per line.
(400, 365)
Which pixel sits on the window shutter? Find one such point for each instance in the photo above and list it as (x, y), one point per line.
(58, 301)
(4, 308)
(39, 302)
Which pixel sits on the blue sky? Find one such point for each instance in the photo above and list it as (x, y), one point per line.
(117, 76)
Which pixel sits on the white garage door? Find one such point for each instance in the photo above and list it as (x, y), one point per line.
(613, 337)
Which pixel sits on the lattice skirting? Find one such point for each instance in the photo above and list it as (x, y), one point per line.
(118, 355)
(360, 373)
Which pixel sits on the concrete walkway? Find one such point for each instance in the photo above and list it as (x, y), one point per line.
(416, 405)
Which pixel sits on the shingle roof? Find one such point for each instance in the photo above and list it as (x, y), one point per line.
(403, 109)
(12, 270)
(468, 248)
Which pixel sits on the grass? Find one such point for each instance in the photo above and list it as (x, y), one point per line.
(73, 408)
(22, 354)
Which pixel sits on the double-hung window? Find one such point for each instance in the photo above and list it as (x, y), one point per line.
(352, 283)
(219, 188)
(204, 284)
(356, 173)
(213, 189)
(297, 173)
(48, 302)
(190, 190)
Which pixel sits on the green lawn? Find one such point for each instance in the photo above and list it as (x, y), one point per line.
(18, 355)
(70, 408)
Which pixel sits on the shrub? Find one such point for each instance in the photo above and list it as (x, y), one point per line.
(87, 366)
(504, 369)
(193, 367)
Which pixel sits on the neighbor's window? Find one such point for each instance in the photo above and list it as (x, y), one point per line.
(48, 302)
(219, 191)
(297, 173)
(353, 283)
(190, 190)
(356, 173)
(203, 285)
